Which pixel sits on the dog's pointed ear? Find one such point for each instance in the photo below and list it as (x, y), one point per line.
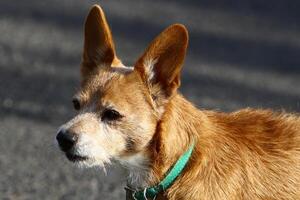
(99, 48)
(161, 63)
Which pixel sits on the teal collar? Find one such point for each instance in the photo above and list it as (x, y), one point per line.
(152, 192)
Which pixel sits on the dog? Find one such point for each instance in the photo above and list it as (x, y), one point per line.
(135, 116)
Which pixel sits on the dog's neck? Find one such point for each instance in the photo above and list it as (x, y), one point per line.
(178, 127)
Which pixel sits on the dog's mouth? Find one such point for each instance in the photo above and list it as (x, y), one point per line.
(76, 158)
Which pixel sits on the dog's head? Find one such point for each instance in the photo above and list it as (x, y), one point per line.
(119, 107)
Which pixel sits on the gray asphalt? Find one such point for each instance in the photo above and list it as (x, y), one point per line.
(241, 54)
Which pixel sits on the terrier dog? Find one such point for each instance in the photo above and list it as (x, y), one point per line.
(134, 115)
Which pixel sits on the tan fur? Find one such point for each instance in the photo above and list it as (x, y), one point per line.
(249, 154)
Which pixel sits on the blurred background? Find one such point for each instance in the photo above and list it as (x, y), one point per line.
(242, 54)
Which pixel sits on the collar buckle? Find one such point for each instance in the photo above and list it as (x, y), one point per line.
(145, 195)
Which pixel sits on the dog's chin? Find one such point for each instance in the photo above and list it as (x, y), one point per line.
(80, 161)
(76, 158)
(85, 161)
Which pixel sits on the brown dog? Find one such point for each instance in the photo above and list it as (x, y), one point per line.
(134, 115)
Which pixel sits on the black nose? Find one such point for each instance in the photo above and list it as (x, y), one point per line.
(66, 140)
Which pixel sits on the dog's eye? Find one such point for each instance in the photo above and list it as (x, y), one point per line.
(76, 104)
(110, 115)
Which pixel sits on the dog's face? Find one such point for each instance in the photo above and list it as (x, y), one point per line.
(119, 107)
(116, 117)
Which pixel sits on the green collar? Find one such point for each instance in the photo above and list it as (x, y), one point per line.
(152, 192)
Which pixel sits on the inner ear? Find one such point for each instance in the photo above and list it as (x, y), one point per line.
(161, 63)
(99, 47)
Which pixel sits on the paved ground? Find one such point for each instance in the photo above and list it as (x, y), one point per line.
(242, 53)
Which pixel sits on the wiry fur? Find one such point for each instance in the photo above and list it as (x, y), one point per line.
(249, 154)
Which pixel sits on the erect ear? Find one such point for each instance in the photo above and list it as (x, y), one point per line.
(161, 63)
(99, 48)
